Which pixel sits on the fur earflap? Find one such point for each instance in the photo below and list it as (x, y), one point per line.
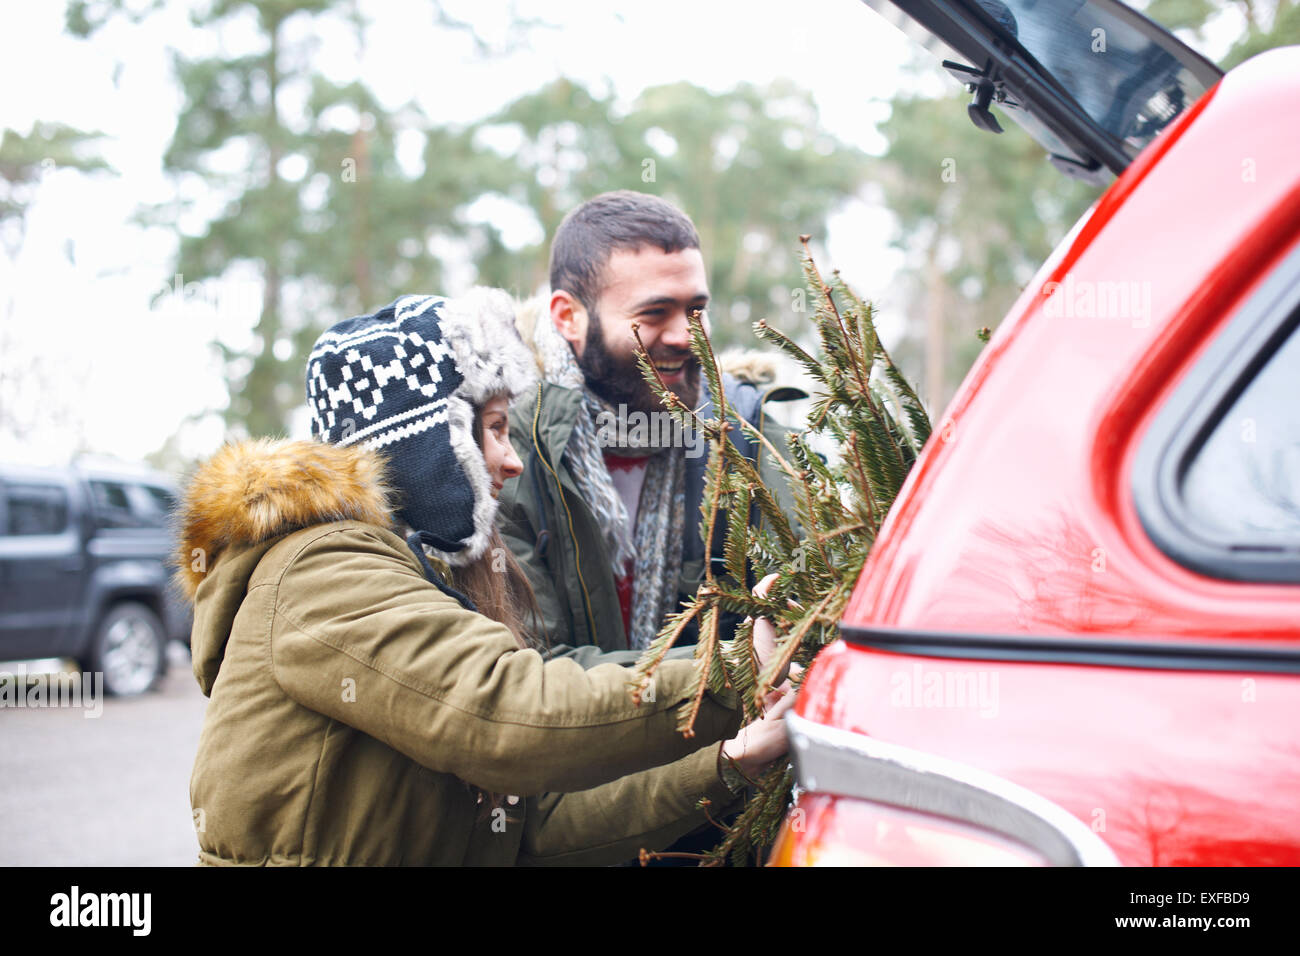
(479, 327)
(460, 421)
(251, 491)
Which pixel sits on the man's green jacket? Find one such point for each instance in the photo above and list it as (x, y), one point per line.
(555, 536)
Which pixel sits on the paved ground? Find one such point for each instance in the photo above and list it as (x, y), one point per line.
(111, 790)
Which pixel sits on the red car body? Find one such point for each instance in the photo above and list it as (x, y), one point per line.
(1159, 706)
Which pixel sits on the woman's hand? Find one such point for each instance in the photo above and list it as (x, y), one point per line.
(758, 744)
(765, 633)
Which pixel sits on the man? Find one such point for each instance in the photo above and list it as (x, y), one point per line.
(605, 518)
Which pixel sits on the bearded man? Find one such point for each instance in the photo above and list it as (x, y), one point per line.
(605, 517)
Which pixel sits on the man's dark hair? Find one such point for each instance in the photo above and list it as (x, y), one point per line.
(623, 219)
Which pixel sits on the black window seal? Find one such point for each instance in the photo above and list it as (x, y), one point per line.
(1174, 653)
(1180, 429)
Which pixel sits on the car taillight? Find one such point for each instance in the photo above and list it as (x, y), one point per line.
(823, 830)
(870, 803)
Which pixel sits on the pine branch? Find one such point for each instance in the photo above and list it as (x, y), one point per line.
(704, 654)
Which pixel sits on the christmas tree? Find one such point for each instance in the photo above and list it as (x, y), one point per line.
(864, 405)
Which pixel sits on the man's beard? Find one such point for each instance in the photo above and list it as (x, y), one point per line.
(619, 381)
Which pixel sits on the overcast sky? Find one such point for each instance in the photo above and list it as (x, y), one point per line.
(127, 375)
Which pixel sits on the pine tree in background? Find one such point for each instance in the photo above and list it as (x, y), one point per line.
(865, 406)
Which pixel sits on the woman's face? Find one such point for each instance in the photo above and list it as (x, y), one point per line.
(498, 453)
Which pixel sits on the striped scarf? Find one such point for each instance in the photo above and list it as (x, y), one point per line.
(654, 546)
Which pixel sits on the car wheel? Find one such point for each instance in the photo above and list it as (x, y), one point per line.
(129, 647)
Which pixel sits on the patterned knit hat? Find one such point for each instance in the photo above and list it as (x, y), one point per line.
(406, 381)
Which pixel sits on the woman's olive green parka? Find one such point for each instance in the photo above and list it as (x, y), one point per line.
(357, 711)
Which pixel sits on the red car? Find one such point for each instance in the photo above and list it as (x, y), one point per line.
(1077, 640)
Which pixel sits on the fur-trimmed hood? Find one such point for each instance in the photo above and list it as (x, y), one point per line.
(255, 491)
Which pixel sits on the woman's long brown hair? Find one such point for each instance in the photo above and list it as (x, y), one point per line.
(498, 585)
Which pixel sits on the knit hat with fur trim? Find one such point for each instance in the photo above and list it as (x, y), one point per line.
(406, 381)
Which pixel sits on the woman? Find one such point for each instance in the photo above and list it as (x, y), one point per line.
(362, 711)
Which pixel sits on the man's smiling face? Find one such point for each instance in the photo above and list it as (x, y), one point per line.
(657, 290)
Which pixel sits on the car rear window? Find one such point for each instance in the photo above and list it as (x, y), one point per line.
(1244, 482)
